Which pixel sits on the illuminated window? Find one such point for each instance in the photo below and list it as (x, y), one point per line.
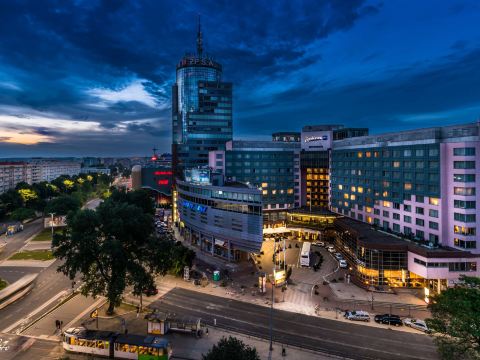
(360, 154)
(396, 164)
(434, 201)
(376, 154)
(345, 196)
(387, 204)
(345, 203)
(352, 197)
(290, 191)
(264, 185)
(360, 189)
(368, 209)
(353, 189)
(385, 194)
(274, 192)
(407, 186)
(368, 154)
(265, 192)
(369, 219)
(340, 187)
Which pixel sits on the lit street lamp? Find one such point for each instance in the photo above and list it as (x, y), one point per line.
(51, 223)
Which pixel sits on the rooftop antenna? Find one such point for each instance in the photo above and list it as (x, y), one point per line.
(199, 39)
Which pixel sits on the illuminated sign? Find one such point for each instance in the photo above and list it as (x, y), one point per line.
(163, 173)
(315, 138)
(162, 182)
(189, 205)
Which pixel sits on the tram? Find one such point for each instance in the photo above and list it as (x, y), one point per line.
(114, 345)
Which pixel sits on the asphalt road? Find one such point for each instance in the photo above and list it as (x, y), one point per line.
(47, 285)
(13, 273)
(17, 241)
(348, 340)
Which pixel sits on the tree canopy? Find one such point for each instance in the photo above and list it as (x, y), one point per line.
(114, 247)
(231, 348)
(456, 320)
(62, 205)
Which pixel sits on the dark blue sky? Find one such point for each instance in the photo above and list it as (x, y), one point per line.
(94, 77)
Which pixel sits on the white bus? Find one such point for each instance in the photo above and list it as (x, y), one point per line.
(305, 254)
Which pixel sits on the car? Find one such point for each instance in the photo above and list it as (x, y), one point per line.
(330, 249)
(338, 256)
(150, 291)
(416, 324)
(357, 315)
(388, 319)
(319, 243)
(343, 264)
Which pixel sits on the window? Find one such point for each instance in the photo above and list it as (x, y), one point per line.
(407, 230)
(433, 238)
(385, 213)
(420, 262)
(433, 225)
(419, 199)
(396, 164)
(407, 208)
(420, 164)
(462, 230)
(464, 217)
(433, 213)
(396, 216)
(461, 204)
(419, 222)
(465, 244)
(464, 191)
(407, 152)
(433, 164)
(462, 266)
(464, 177)
(432, 152)
(396, 206)
(407, 186)
(467, 151)
(464, 164)
(396, 227)
(407, 219)
(419, 210)
(419, 152)
(420, 234)
(433, 201)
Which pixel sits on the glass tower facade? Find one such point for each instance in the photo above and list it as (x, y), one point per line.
(201, 111)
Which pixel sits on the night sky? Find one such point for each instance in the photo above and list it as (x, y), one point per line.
(94, 77)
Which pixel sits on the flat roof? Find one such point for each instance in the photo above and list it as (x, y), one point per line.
(90, 334)
(369, 237)
(141, 340)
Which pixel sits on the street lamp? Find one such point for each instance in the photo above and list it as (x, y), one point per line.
(51, 223)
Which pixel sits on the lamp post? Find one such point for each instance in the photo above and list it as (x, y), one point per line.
(272, 283)
(51, 223)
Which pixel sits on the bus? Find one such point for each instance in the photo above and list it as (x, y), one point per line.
(305, 254)
(113, 345)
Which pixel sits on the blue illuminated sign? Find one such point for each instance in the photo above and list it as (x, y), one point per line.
(189, 205)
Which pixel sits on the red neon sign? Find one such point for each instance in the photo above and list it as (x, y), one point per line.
(163, 173)
(162, 182)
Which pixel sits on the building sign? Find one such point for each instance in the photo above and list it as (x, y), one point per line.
(192, 206)
(163, 182)
(317, 140)
(197, 176)
(163, 173)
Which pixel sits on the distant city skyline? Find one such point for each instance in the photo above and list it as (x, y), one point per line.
(94, 78)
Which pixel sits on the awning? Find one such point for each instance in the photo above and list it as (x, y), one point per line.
(219, 242)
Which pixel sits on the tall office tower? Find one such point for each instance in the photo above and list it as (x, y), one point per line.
(201, 110)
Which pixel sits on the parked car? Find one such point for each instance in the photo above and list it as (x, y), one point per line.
(388, 319)
(338, 256)
(416, 324)
(358, 315)
(330, 248)
(319, 243)
(151, 291)
(343, 264)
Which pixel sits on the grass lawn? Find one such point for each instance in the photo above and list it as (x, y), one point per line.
(44, 235)
(33, 255)
(3, 284)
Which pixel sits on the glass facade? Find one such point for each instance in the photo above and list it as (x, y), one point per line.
(314, 167)
(391, 174)
(201, 112)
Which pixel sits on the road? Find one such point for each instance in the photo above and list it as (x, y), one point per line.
(92, 204)
(17, 241)
(338, 338)
(14, 273)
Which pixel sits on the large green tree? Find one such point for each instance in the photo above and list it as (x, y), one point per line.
(456, 320)
(231, 348)
(113, 247)
(62, 205)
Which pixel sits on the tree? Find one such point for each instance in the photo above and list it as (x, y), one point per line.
(21, 214)
(62, 205)
(456, 320)
(231, 348)
(112, 247)
(11, 200)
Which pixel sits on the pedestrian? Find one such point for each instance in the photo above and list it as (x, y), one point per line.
(57, 324)
(206, 331)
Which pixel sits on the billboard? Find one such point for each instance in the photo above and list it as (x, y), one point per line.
(198, 176)
(317, 140)
(58, 221)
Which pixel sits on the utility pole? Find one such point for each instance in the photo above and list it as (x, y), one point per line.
(271, 305)
(51, 223)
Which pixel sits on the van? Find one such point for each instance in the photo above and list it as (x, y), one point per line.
(358, 315)
(330, 248)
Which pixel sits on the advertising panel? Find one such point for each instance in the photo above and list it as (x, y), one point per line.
(198, 176)
(317, 140)
(58, 221)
